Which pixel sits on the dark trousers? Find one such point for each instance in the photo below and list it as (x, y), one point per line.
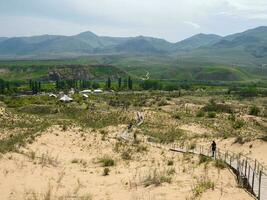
(213, 153)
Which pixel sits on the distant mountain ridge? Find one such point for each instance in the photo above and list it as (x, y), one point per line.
(252, 42)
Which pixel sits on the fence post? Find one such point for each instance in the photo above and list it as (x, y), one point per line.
(248, 175)
(246, 167)
(243, 167)
(255, 165)
(253, 177)
(259, 197)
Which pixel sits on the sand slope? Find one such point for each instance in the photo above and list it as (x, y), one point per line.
(64, 165)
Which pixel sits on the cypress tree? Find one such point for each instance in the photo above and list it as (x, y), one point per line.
(119, 83)
(130, 83)
(109, 83)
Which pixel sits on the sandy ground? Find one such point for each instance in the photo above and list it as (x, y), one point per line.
(64, 165)
(255, 149)
(195, 129)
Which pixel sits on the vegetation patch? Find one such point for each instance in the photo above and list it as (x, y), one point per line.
(107, 162)
(166, 137)
(216, 107)
(156, 178)
(201, 187)
(204, 159)
(220, 164)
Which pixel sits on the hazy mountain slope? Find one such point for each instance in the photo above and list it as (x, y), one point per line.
(13, 46)
(253, 41)
(249, 46)
(143, 45)
(3, 38)
(197, 41)
(259, 32)
(159, 44)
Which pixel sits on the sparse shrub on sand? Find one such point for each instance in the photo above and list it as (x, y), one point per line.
(200, 113)
(170, 162)
(104, 134)
(176, 116)
(64, 127)
(18, 140)
(220, 164)
(170, 171)
(106, 171)
(239, 124)
(192, 145)
(49, 194)
(239, 140)
(31, 155)
(212, 106)
(204, 159)
(201, 187)
(264, 138)
(156, 178)
(118, 146)
(140, 148)
(107, 162)
(254, 110)
(75, 161)
(168, 136)
(126, 155)
(47, 159)
(232, 117)
(212, 115)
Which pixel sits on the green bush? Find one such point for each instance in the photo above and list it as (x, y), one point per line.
(264, 138)
(107, 162)
(156, 178)
(220, 164)
(166, 137)
(204, 159)
(248, 92)
(200, 113)
(215, 107)
(231, 117)
(201, 187)
(176, 116)
(239, 124)
(254, 110)
(170, 162)
(211, 115)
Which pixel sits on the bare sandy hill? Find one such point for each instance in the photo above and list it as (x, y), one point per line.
(65, 165)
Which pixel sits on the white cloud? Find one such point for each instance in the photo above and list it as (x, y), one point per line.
(247, 9)
(171, 19)
(194, 25)
(28, 26)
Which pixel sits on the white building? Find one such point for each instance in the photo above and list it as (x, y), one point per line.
(66, 98)
(98, 91)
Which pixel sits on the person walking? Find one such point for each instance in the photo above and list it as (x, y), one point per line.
(213, 148)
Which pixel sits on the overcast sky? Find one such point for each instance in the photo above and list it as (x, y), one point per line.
(173, 20)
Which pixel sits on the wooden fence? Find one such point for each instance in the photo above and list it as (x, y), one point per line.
(250, 174)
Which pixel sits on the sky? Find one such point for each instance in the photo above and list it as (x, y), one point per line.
(172, 20)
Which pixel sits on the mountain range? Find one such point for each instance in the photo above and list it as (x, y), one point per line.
(248, 44)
